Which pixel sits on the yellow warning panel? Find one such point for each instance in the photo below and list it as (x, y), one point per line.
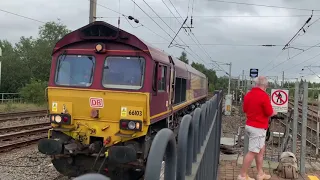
(123, 112)
(54, 107)
(313, 177)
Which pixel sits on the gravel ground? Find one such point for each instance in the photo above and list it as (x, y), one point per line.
(26, 163)
(23, 122)
(230, 124)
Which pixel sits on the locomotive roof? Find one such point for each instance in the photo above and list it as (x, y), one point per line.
(102, 31)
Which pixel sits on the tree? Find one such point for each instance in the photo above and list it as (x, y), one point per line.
(30, 58)
(183, 57)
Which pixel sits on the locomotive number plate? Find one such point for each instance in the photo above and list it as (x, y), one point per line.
(130, 112)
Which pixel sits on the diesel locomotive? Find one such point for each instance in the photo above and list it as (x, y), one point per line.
(109, 93)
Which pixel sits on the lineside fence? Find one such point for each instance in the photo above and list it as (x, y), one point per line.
(196, 156)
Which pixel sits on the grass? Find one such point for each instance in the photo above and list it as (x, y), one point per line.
(18, 107)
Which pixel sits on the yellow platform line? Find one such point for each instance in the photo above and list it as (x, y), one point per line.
(313, 177)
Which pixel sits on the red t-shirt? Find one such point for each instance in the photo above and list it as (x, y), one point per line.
(258, 109)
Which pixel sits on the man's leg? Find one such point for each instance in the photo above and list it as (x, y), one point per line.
(259, 161)
(259, 158)
(247, 160)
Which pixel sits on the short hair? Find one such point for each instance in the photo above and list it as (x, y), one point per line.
(261, 81)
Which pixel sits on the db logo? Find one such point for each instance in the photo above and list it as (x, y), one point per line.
(96, 102)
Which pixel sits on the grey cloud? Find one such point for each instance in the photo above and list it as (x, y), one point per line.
(208, 30)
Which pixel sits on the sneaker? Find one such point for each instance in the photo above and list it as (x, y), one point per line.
(264, 176)
(244, 178)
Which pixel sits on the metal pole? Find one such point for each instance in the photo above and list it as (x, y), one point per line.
(295, 118)
(93, 11)
(242, 84)
(229, 78)
(0, 71)
(282, 79)
(318, 126)
(304, 128)
(0, 64)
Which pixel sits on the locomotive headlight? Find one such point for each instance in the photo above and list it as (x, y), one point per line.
(58, 119)
(131, 125)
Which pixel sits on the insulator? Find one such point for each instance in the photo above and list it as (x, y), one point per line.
(130, 17)
(136, 20)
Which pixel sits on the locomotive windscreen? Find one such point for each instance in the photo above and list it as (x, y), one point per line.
(123, 72)
(74, 70)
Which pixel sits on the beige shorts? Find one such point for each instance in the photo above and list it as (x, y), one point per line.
(257, 138)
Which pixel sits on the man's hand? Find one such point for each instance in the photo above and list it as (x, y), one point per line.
(274, 113)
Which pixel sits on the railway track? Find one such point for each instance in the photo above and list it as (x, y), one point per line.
(16, 136)
(312, 118)
(22, 115)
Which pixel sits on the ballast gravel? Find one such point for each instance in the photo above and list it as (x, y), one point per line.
(23, 122)
(27, 163)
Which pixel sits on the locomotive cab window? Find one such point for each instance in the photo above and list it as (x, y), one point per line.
(75, 70)
(162, 81)
(123, 72)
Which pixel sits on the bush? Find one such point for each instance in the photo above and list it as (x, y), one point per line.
(34, 92)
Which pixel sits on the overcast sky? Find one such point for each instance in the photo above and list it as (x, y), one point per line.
(227, 32)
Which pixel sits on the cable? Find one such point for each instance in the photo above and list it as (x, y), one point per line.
(164, 22)
(303, 62)
(222, 16)
(151, 18)
(182, 24)
(302, 28)
(295, 56)
(200, 47)
(125, 16)
(32, 19)
(262, 5)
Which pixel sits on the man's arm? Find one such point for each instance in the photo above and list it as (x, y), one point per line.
(267, 108)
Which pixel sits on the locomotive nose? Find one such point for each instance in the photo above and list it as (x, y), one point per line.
(50, 146)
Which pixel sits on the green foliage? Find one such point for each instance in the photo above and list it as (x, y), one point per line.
(183, 57)
(211, 74)
(30, 58)
(34, 92)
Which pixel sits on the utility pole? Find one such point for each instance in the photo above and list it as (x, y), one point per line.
(229, 77)
(93, 11)
(242, 80)
(0, 64)
(282, 85)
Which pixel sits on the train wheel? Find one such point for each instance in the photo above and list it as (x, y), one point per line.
(74, 166)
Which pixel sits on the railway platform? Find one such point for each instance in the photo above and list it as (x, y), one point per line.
(230, 165)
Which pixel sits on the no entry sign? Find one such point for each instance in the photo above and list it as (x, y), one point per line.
(279, 100)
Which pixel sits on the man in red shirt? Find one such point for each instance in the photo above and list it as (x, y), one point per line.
(258, 109)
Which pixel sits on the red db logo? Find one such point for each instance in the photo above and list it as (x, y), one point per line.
(96, 102)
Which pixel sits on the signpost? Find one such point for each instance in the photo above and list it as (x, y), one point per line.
(254, 73)
(279, 100)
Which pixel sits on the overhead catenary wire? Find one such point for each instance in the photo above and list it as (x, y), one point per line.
(224, 16)
(264, 5)
(303, 61)
(198, 44)
(182, 25)
(165, 23)
(146, 26)
(302, 28)
(295, 56)
(25, 17)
